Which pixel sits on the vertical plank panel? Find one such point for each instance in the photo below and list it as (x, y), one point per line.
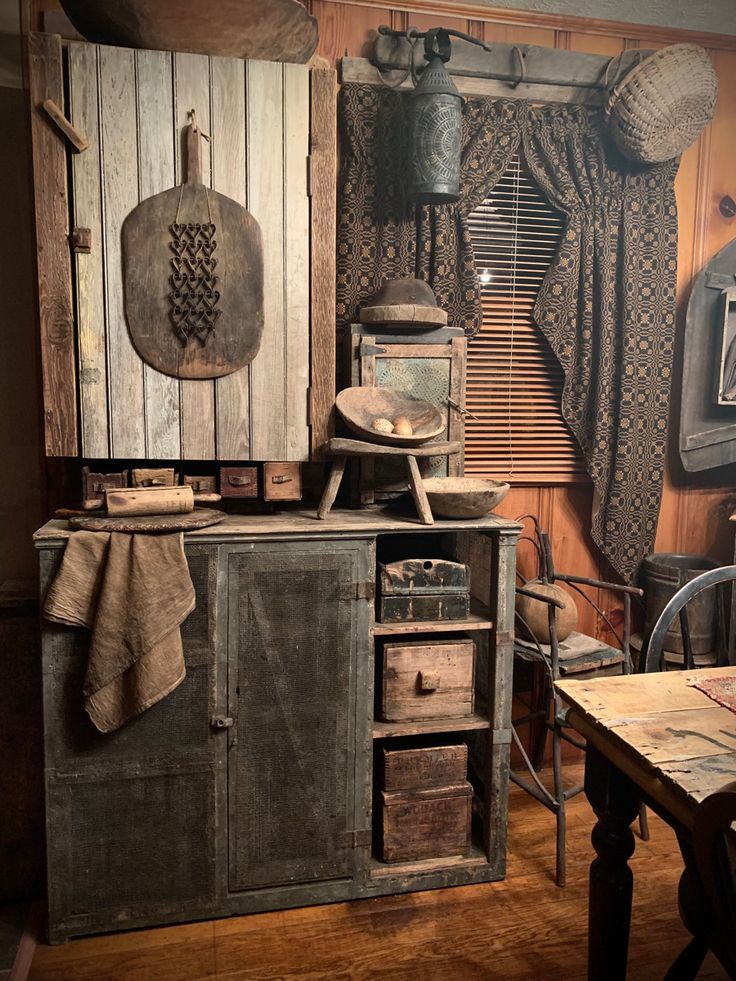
(265, 156)
(157, 173)
(347, 29)
(90, 294)
(510, 34)
(596, 44)
(323, 157)
(52, 253)
(572, 547)
(703, 526)
(423, 22)
(232, 393)
(120, 196)
(296, 258)
(192, 91)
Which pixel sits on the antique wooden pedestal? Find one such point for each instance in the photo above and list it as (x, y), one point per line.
(251, 786)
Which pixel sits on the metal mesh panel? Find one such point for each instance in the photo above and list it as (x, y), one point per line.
(289, 772)
(134, 842)
(423, 378)
(178, 723)
(198, 629)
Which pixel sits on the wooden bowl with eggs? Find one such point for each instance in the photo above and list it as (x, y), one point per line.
(388, 416)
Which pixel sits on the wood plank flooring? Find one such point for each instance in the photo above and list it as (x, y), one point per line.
(518, 929)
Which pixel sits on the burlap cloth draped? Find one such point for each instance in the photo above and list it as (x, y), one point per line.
(132, 592)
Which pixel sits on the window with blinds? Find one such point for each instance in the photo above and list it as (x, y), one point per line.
(514, 382)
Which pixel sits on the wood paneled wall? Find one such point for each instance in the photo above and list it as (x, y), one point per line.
(695, 507)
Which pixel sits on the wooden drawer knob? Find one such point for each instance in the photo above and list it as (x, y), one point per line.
(429, 681)
(238, 481)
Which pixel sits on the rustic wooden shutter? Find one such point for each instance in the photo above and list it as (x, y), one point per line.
(514, 382)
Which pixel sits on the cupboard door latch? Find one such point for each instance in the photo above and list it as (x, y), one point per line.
(221, 722)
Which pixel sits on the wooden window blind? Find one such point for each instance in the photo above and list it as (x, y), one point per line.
(514, 383)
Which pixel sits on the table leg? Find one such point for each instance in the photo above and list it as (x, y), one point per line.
(332, 486)
(418, 492)
(615, 800)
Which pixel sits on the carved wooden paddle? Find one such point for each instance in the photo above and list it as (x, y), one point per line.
(193, 277)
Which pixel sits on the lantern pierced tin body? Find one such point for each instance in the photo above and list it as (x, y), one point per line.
(436, 136)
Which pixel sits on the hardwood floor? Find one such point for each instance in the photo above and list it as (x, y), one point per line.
(521, 928)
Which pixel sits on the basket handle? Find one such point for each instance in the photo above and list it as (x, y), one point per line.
(612, 87)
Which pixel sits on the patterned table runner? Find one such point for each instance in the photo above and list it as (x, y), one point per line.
(721, 690)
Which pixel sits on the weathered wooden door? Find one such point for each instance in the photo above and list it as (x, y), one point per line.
(297, 635)
(133, 107)
(132, 816)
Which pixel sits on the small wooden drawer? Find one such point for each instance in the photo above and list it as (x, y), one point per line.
(94, 485)
(425, 767)
(427, 680)
(206, 484)
(239, 481)
(282, 482)
(154, 477)
(431, 823)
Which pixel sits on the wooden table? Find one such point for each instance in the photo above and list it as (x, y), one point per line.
(651, 738)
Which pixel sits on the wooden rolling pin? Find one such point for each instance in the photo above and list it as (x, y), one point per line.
(128, 502)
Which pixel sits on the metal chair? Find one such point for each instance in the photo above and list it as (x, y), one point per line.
(652, 655)
(597, 660)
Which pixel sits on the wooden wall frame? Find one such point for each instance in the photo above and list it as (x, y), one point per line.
(323, 191)
(53, 264)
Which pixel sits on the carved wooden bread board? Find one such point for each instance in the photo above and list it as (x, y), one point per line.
(193, 278)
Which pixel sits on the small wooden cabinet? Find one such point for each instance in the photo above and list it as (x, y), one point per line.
(251, 786)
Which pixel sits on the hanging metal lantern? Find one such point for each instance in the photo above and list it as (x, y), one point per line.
(435, 128)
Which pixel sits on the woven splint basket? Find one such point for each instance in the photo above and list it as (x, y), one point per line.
(661, 106)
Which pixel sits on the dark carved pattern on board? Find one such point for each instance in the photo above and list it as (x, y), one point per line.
(607, 305)
(193, 295)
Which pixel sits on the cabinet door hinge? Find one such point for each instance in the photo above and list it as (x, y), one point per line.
(371, 350)
(310, 411)
(359, 838)
(358, 590)
(309, 176)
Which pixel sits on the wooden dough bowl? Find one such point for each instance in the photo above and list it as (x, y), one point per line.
(360, 406)
(279, 30)
(464, 497)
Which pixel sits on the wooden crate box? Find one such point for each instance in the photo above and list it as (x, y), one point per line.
(426, 803)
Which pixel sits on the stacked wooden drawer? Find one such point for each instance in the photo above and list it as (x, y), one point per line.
(425, 803)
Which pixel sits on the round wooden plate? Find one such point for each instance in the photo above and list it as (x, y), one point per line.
(199, 518)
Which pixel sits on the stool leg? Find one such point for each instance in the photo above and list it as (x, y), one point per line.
(418, 492)
(332, 486)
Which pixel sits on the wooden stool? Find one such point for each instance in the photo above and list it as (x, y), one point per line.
(341, 449)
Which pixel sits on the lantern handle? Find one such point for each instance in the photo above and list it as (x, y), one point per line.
(437, 44)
